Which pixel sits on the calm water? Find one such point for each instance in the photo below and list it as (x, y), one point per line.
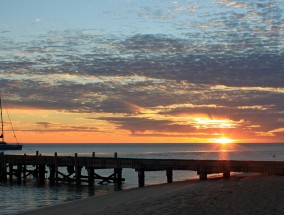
(15, 198)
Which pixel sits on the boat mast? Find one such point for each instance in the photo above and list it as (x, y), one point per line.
(2, 123)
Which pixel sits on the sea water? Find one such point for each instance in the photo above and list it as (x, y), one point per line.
(17, 198)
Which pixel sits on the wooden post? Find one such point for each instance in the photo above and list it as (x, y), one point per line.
(41, 173)
(94, 155)
(202, 176)
(36, 171)
(91, 172)
(56, 168)
(1, 164)
(52, 174)
(169, 175)
(10, 171)
(78, 175)
(18, 173)
(202, 171)
(3, 168)
(226, 170)
(24, 170)
(118, 176)
(141, 178)
(91, 178)
(115, 170)
(226, 174)
(77, 170)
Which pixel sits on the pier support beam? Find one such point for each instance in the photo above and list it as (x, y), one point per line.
(53, 171)
(141, 178)
(169, 175)
(91, 173)
(118, 178)
(78, 175)
(41, 173)
(201, 171)
(226, 169)
(77, 170)
(24, 170)
(11, 172)
(202, 176)
(52, 174)
(226, 174)
(56, 168)
(35, 174)
(19, 173)
(3, 168)
(91, 177)
(3, 173)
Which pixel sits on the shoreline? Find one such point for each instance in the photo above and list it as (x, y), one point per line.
(242, 194)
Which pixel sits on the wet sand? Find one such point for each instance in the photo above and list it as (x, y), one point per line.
(242, 194)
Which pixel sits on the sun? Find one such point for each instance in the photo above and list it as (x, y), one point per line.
(224, 140)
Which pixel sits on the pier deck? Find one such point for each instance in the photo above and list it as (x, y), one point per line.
(22, 166)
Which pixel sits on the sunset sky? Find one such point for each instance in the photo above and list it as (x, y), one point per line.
(128, 71)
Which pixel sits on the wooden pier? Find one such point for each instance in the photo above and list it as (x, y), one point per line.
(68, 169)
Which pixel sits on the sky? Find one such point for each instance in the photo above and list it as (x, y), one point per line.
(143, 71)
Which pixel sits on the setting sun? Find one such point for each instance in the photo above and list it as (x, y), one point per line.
(224, 140)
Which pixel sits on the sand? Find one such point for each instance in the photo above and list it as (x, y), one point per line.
(242, 194)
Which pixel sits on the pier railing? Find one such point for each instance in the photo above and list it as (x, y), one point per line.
(19, 167)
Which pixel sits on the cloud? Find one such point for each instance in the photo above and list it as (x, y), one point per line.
(56, 127)
(43, 124)
(278, 130)
(223, 63)
(144, 125)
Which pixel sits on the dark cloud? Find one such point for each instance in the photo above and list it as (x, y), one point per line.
(43, 124)
(135, 125)
(53, 127)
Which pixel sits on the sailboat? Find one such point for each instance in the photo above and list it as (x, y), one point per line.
(3, 144)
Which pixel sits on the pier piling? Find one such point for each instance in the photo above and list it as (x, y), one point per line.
(3, 168)
(141, 178)
(68, 169)
(169, 175)
(91, 176)
(11, 169)
(19, 173)
(41, 173)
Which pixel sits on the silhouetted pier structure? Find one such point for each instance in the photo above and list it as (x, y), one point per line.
(68, 169)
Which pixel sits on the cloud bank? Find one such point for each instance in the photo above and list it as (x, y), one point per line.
(225, 60)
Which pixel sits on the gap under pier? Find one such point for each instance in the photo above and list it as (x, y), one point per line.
(19, 167)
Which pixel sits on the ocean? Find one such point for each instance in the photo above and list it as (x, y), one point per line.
(17, 198)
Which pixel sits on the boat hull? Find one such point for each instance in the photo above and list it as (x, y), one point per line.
(10, 147)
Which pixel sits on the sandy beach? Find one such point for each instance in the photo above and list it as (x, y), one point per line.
(242, 194)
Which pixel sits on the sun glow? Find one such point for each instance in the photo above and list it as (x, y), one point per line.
(205, 122)
(224, 140)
